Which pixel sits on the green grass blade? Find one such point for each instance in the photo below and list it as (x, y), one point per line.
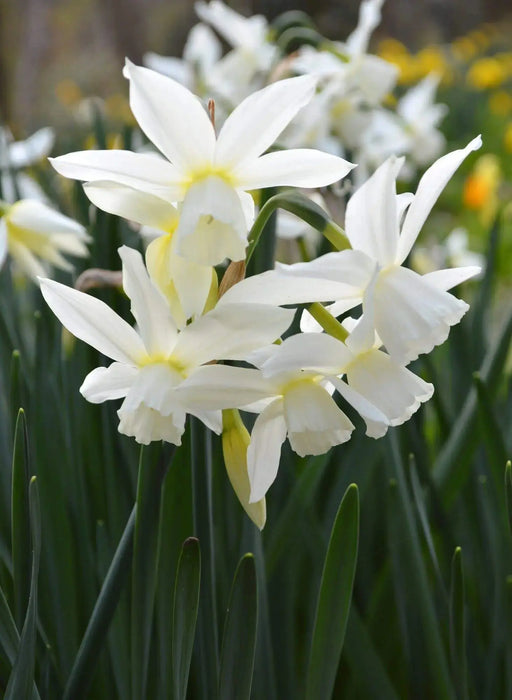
(9, 636)
(21, 680)
(20, 520)
(87, 658)
(508, 493)
(334, 599)
(186, 603)
(144, 566)
(457, 631)
(239, 638)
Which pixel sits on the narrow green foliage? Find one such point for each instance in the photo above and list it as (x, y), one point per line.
(144, 567)
(334, 599)
(457, 628)
(99, 622)
(492, 433)
(186, 602)
(306, 210)
(508, 493)
(239, 638)
(9, 636)
(20, 520)
(15, 384)
(21, 681)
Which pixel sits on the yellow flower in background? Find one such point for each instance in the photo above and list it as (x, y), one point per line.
(464, 49)
(485, 74)
(500, 103)
(507, 139)
(481, 187)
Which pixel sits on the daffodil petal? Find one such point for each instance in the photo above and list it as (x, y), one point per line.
(446, 279)
(92, 321)
(222, 386)
(106, 383)
(316, 352)
(171, 116)
(263, 453)
(376, 422)
(300, 167)
(256, 123)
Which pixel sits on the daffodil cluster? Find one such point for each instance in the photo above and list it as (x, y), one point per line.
(207, 350)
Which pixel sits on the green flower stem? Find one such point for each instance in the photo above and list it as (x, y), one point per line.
(306, 210)
(327, 321)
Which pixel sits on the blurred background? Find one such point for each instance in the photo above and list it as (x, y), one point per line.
(55, 53)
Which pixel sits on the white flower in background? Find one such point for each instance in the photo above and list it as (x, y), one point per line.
(37, 237)
(201, 52)
(240, 72)
(411, 131)
(152, 362)
(454, 250)
(15, 155)
(411, 313)
(210, 176)
(184, 283)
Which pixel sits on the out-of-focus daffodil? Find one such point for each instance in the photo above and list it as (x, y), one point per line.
(481, 187)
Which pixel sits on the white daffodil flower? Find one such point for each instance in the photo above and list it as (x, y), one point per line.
(152, 362)
(411, 313)
(15, 155)
(210, 176)
(201, 53)
(184, 283)
(37, 237)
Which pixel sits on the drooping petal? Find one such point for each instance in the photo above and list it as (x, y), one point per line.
(317, 352)
(171, 117)
(263, 453)
(145, 172)
(132, 204)
(222, 386)
(299, 167)
(376, 422)
(371, 222)
(147, 425)
(230, 332)
(389, 386)
(106, 383)
(256, 123)
(212, 223)
(94, 322)
(314, 421)
(430, 187)
(446, 279)
(148, 305)
(411, 315)
(41, 219)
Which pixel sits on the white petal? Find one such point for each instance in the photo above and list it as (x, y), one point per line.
(446, 279)
(376, 422)
(264, 451)
(41, 219)
(391, 388)
(430, 187)
(148, 305)
(94, 322)
(314, 421)
(371, 221)
(171, 117)
(351, 268)
(212, 223)
(106, 383)
(26, 260)
(132, 204)
(175, 68)
(236, 29)
(154, 386)
(411, 315)
(37, 146)
(300, 167)
(212, 419)
(257, 122)
(230, 332)
(147, 425)
(202, 48)
(143, 171)
(222, 386)
(3, 242)
(369, 18)
(317, 352)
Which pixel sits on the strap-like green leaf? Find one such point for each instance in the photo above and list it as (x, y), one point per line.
(186, 602)
(20, 520)
(508, 493)
(334, 599)
(239, 639)
(457, 634)
(21, 680)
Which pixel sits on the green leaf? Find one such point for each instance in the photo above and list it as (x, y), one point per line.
(20, 520)
(186, 603)
(21, 680)
(144, 566)
(492, 433)
(508, 493)
(457, 632)
(334, 599)
(9, 636)
(239, 638)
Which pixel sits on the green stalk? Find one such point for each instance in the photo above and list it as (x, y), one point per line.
(327, 321)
